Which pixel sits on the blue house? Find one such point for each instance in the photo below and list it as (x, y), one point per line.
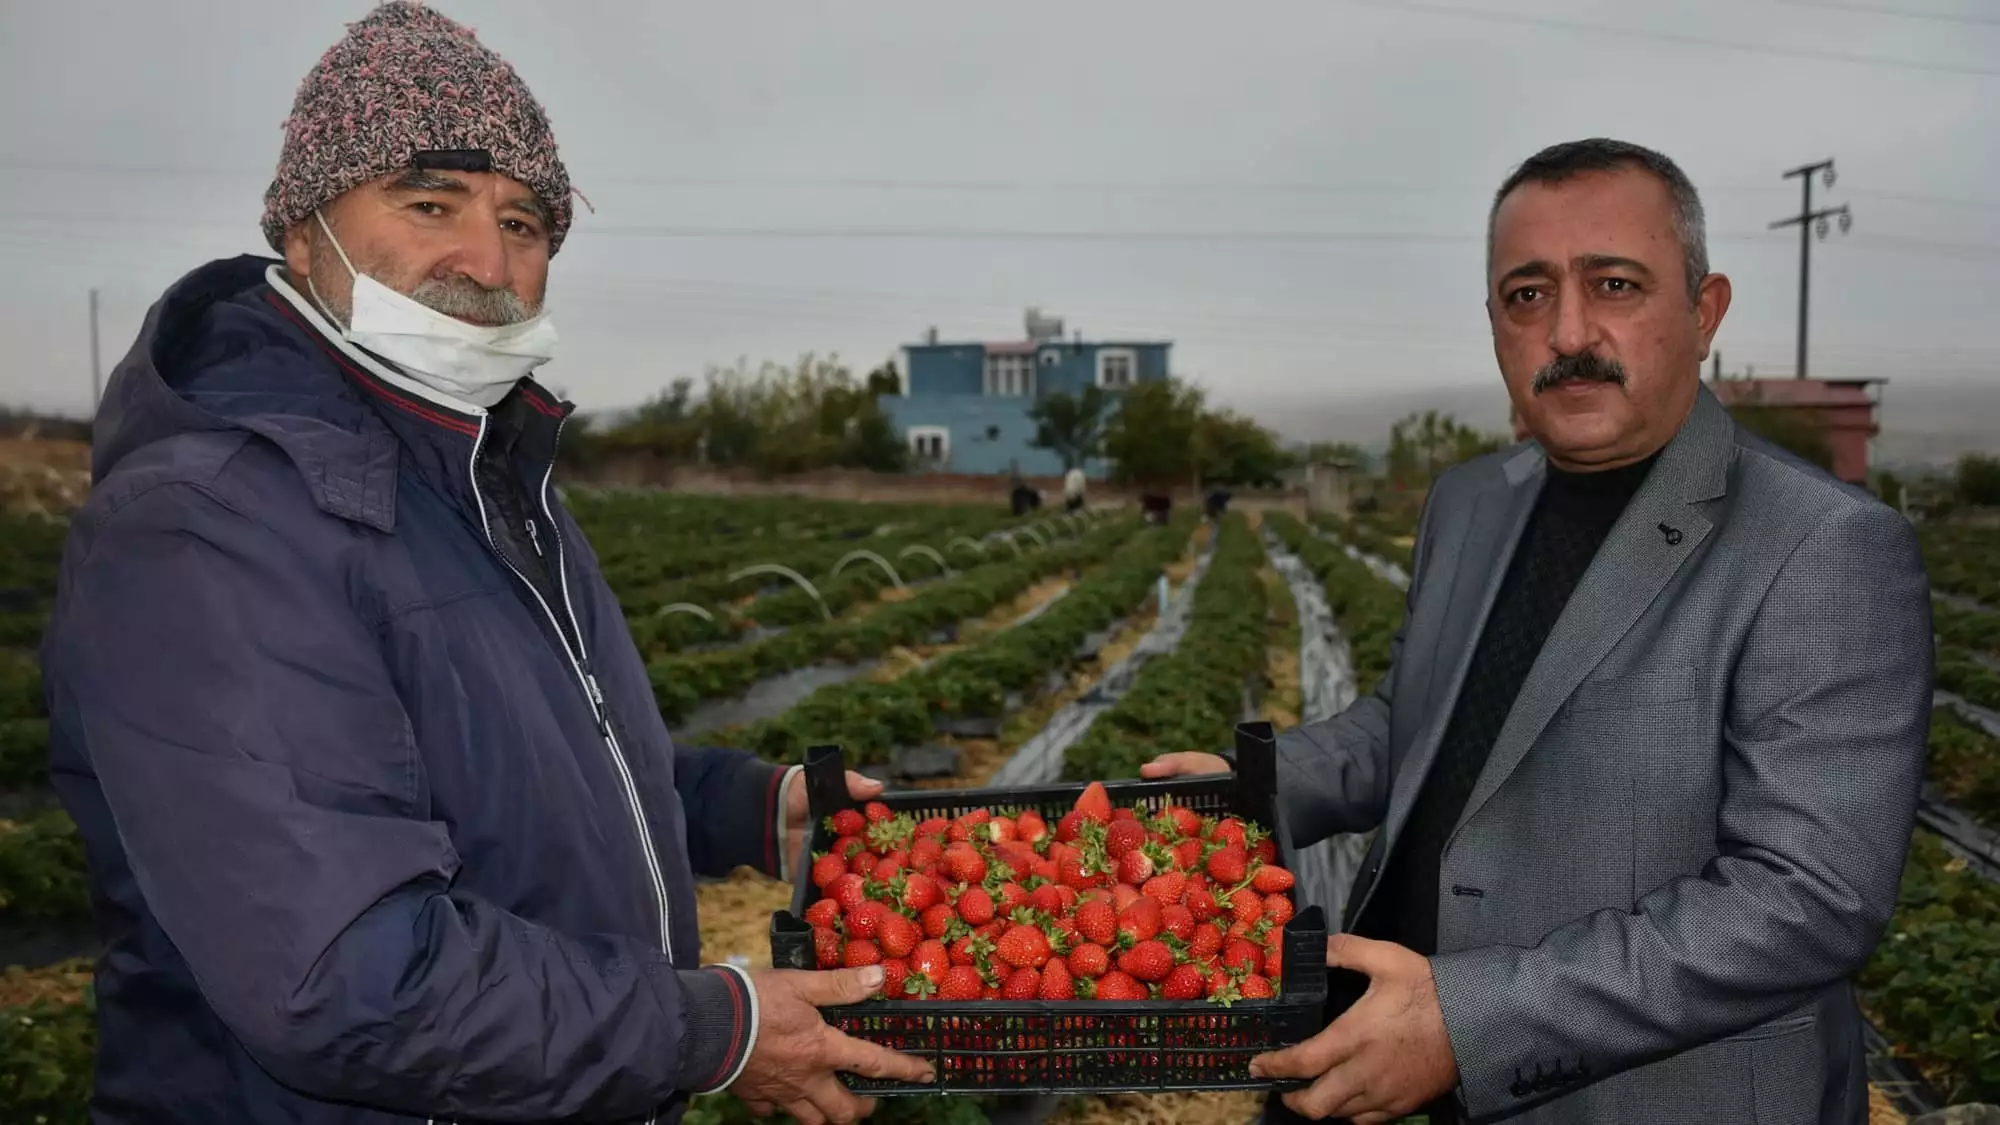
(964, 406)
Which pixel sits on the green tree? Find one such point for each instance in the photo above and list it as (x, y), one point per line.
(1230, 449)
(1071, 426)
(1978, 480)
(1150, 438)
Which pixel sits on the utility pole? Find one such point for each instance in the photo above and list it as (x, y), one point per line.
(96, 373)
(1806, 220)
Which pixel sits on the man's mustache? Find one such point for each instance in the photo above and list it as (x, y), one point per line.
(1586, 367)
(465, 299)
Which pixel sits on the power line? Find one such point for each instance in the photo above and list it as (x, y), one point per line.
(1806, 220)
(1664, 36)
(1898, 13)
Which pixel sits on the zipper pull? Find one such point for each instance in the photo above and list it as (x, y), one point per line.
(535, 539)
(597, 704)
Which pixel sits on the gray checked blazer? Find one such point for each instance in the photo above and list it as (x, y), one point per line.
(1691, 829)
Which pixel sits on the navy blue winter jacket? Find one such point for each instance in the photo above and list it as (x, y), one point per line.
(383, 823)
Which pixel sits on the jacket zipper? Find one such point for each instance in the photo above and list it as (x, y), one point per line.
(580, 665)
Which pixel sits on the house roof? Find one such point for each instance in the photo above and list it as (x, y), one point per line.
(1793, 392)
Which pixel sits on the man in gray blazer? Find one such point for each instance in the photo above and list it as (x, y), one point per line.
(1646, 764)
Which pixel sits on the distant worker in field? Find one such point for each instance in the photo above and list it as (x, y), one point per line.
(1073, 489)
(1647, 759)
(383, 823)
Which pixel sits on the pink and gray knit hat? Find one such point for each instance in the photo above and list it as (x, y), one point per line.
(405, 82)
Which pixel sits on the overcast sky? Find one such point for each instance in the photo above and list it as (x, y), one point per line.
(1293, 191)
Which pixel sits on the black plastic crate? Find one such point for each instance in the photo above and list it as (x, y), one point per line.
(1078, 1046)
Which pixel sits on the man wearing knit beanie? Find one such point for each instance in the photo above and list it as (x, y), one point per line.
(383, 822)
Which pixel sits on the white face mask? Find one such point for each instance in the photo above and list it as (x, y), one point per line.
(467, 361)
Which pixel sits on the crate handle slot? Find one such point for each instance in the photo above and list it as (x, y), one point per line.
(792, 942)
(826, 782)
(1257, 772)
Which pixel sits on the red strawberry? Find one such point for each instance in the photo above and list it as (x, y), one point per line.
(863, 919)
(933, 826)
(849, 822)
(1148, 961)
(850, 891)
(1012, 898)
(975, 906)
(975, 818)
(1271, 880)
(1254, 987)
(897, 934)
(1056, 982)
(1246, 907)
(1167, 890)
(1187, 822)
(1097, 922)
(1045, 870)
(1022, 946)
(1067, 927)
(925, 852)
(1178, 921)
(846, 846)
(876, 812)
(931, 960)
(1067, 898)
(1135, 868)
(937, 920)
(894, 971)
(1123, 838)
(1229, 865)
(1022, 984)
(1124, 895)
(1088, 960)
(887, 868)
(989, 993)
(1201, 903)
(1244, 955)
(965, 863)
(920, 893)
(1206, 942)
(1000, 830)
(1274, 959)
(1030, 827)
(1186, 982)
(826, 869)
(1124, 813)
(1046, 899)
(1094, 804)
(961, 983)
(1117, 985)
(1187, 855)
(1069, 827)
(1141, 920)
(1264, 850)
(859, 953)
(1277, 909)
(863, 862)
(1222, 984)
(826, 947)
(1231, 831)
(825, 912)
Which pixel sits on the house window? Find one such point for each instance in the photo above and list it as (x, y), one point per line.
(930, 443)
(1010, 376)
(1117, 368)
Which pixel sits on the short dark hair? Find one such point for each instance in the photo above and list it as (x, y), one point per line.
(1561, 162)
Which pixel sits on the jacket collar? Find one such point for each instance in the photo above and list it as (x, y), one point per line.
(225, 349)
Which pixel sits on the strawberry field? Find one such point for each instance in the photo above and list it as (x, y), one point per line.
(959, 647)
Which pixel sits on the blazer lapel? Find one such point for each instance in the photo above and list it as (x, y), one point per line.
(1659, 530)
(1486, 546)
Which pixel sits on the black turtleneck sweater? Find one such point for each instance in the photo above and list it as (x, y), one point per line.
(1572, 516)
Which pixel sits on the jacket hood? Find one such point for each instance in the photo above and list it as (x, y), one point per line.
(214, 354)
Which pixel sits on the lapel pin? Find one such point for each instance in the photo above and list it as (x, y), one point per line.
(1673, 535)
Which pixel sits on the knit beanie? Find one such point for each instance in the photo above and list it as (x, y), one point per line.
(403, 81)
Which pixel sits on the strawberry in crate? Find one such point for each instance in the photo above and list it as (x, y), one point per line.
(1109, 903)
